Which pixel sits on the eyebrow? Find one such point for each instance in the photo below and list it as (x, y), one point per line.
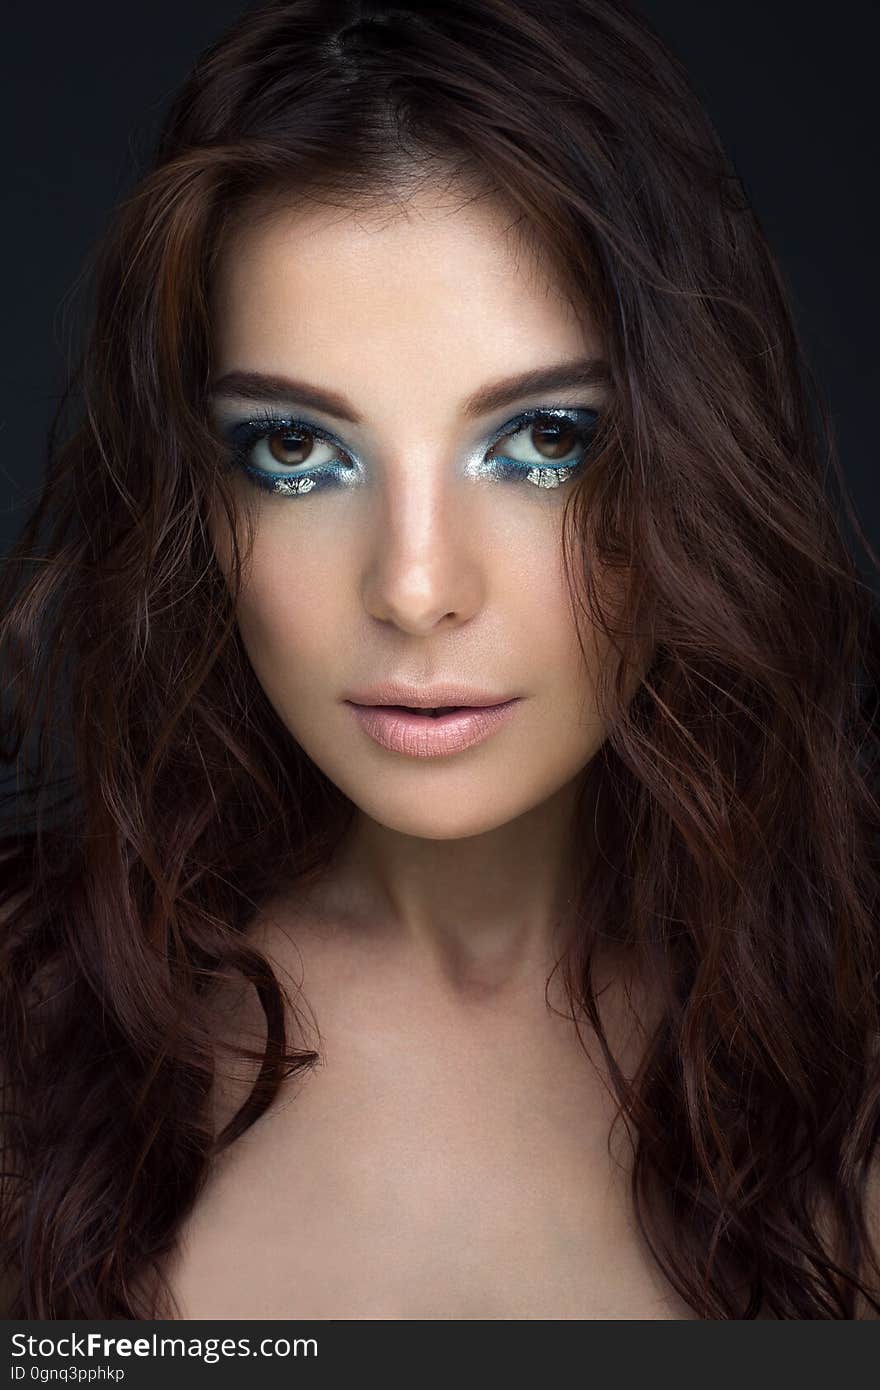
(257, 386)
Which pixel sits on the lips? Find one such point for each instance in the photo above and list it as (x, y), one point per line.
(420, 733)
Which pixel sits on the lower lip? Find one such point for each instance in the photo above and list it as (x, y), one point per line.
(420, 736)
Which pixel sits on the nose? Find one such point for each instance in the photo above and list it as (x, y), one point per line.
(426, 553)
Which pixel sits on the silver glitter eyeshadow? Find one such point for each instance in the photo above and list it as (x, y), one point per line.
(548, 477)
(291, 486)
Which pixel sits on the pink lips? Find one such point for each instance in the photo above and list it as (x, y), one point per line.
(421, 736)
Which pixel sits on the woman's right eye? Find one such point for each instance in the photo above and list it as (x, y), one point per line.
(282, 446)
(287, 456)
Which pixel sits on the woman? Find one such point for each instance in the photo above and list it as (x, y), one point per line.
(439, 361)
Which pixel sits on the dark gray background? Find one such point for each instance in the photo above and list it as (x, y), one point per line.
(791, 88)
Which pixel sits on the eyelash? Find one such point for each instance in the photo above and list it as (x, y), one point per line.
(247, 433)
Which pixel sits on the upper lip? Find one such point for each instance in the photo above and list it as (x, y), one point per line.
(425, 696)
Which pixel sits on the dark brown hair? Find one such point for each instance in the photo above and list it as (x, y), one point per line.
(732, 805)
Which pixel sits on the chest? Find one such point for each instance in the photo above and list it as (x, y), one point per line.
(430, 1175)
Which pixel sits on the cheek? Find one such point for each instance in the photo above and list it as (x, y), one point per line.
(539, 601)
(290, 616)
(555, 631)
(300, 620)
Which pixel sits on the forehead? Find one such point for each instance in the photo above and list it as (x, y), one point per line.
(421, 287)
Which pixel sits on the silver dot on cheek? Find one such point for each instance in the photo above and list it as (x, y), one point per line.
(289, 486)
(548, 477)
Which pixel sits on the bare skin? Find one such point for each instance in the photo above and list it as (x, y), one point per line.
(448, 1158)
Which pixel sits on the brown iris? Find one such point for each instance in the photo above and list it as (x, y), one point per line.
(555, 441)
(295, 446)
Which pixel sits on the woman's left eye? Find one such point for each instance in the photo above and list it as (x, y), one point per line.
(552, 443)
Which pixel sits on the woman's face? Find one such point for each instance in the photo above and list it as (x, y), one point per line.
(399, 547)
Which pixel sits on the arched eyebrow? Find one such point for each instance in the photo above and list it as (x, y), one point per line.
(560, 376)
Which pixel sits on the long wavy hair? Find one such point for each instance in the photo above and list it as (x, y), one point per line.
(159, 800)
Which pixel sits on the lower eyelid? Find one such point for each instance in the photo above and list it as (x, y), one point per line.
(296, 484)
(542, 475)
